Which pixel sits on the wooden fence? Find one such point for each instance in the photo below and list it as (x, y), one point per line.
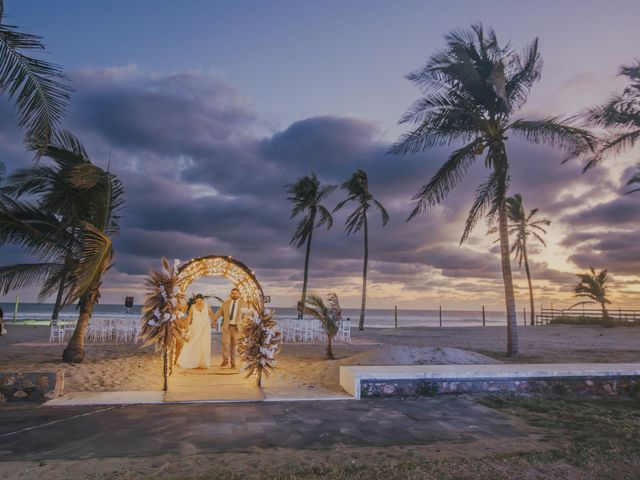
(546, 315)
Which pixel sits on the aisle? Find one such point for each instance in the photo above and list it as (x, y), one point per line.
(215, 384)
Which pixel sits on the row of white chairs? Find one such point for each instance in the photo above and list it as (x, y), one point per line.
(100, 330)
(310, 330)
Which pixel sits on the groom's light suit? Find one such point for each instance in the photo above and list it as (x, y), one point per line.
(231, 327)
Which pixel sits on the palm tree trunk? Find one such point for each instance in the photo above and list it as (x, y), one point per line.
(512, 323)
(306, 269)
(56, 306)
(605, 314)
(526, 269)
(74, 353)
(364, 273)
(329, 349)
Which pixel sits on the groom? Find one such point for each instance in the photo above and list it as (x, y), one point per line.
(231, 311)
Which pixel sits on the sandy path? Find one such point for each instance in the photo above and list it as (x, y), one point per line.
(302, 366)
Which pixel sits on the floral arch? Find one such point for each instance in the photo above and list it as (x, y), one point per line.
(235, 271)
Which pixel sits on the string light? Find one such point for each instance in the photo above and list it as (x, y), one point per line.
(223, 266)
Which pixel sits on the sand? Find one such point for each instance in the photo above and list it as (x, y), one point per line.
(301, 368)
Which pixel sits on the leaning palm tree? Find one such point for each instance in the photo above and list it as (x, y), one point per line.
(593, 286)
(525, 228)
(620, 116)
(51, 187)
(37, 87)
(471, 91)
(306, 195)
(330, 316)
(81, 253)
(357, 188)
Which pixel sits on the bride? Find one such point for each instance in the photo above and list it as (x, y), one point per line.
(196, 353)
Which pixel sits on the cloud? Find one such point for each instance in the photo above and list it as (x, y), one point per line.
(205, 174)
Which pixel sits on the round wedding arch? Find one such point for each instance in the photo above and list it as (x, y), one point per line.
(228, 267)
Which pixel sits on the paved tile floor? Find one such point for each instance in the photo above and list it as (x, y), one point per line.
(139, 430)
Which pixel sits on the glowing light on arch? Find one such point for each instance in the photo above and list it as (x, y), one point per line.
(222, 266)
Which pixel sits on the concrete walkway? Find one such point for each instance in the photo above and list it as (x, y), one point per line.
(142, 430)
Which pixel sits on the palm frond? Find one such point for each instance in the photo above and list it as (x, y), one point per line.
(485, 197)
(355, 221)
(446, 178)
(324, 217)
(555, 132)
(94, 260)
(15, 277)
(383, 211)
(633, 180)
(38, 87)
(304, 228)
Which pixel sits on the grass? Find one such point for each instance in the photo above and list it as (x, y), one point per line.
(592, 439)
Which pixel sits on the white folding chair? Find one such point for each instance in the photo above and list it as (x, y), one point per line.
(57, 332)
(345, 331)
(69, 326)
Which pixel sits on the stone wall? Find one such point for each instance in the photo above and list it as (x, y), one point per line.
(619, 386)
(30, 386)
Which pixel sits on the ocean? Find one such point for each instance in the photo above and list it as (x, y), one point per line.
(380, 318)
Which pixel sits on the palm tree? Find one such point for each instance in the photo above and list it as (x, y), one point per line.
(54, 192)
(524, 226)
(357, 188)
(471, 90)
(37, 87)
(86, 249)
(592, 285)
(306, 195)
(329, 314)
(621, 114)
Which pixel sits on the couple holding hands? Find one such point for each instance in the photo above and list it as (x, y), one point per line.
(200, 319)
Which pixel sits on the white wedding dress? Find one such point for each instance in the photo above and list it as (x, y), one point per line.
(196, 353)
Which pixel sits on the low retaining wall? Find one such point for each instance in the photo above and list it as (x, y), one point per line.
(30, 386)
(588, 379)
(589, 386)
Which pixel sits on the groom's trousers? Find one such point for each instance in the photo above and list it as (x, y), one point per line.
(230, 344)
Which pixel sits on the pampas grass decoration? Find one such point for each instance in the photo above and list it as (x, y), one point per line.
(161, 314)
(259, 344)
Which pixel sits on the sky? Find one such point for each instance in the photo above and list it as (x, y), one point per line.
(206, 110)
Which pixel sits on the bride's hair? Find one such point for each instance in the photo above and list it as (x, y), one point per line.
(199, 295)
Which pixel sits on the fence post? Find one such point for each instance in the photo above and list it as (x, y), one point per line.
(483, 319)
(541, 314)
(440, 315)
(395, 315)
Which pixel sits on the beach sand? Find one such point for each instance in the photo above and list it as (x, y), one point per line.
(302, 368)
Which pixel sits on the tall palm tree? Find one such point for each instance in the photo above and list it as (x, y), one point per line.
(471, 91)
(50, 185)
(81, 253)
(620, 115)
(37, 87)
(330, 316)
(306, 195)
(526, 228)
(357, 188)
(593, 285)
